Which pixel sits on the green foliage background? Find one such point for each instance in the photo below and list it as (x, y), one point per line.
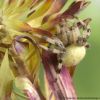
(87, 74)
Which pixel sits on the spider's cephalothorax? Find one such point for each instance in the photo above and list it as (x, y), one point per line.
(69, 32)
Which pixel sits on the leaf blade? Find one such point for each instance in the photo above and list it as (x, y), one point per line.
(6, 76)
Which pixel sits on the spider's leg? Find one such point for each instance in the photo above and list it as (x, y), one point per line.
(80, 21)
(85, 24)
(63, 31)
(87, 45)
(44, 38)
(55, 41)
(75, 33)
(53, 50)
(86, 29)
(86, 32)
(59, 66)
(82, 39)
(60, 63)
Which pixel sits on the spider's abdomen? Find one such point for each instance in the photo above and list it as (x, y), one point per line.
(74, 54)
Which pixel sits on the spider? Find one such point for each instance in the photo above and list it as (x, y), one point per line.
(69, 42)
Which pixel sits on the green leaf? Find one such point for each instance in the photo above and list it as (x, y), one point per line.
(6, 77)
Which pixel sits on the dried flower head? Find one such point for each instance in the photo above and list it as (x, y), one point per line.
(34, 32)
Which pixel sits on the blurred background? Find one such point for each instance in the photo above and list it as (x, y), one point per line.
(87, 74)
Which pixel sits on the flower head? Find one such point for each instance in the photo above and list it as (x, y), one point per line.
(40, 31)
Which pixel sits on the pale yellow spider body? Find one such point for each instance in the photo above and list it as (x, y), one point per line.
(73, 55)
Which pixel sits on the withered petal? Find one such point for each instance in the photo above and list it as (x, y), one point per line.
(60, 84)
(58, 4)
(41, 32)
(41, 10)
(73, 9)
